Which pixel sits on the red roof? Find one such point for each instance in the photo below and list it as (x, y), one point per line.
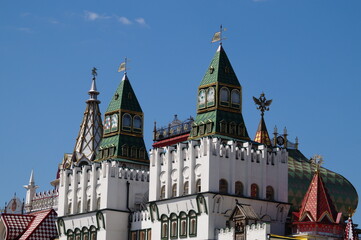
(38, 225)
(317, 204)
(171, 141)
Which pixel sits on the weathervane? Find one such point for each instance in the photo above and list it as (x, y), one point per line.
(123, 66)
(217, 37)
(263, 103)
(317, 161)
(94, 72)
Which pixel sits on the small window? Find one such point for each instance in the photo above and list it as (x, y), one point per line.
(111, 151)
(270, 193)
(192, 224)
(106, 152)
(133, 152)
(209, 127)
(107, 124)
(115, 120)
(241, 130)
(238, 188)
(69, 208)
(98, 203)
(133, 235)
(142, 235)
(183, 224)
(202, 99)
(224, 96)
(162, 192)
(125, 150)
(223, 186)
(201, 129)
(173, 226)
(88, 206)
(93, 233)
(137, 124)
(210, 97)
(232, 128)
(127, 122)
(164, 229)
(223, 126)
(198, 186)
(85, 233)
(254, 191)
(142, 153)
(236, 98)
(195, 130)
(79, 207)
(186, 188)
(174, 190)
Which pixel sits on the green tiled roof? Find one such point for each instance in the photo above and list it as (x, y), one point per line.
(220, 64)
(300, 173)
(124, 98)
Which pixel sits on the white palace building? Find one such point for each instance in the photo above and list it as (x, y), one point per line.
(204, 178)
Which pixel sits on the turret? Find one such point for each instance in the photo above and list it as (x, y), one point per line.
(30, 192)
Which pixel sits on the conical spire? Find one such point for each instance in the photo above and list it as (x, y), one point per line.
(350, 232)
(219, 108)
(123, 128)
(31, 180)
(262, 133)
(317, 204)
(91, 128)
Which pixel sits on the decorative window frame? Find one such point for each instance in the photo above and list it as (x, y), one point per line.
(174, 190)
(124, 127)
(173, 221)
(198, 185)
(203, 105)
(85, 233)
(93, 230)
(254, 190)
(70, 235)
(135, 129)
(235, 104)
(116, 127)
(183, 218)
(224, 102)
(164, 224)
(192, 215)
(186, 188)
(223, 126)
(162, 192)
(210, 103)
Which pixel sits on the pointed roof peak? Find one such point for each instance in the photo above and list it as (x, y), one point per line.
(93, 92)
(317, 203)
(31, 180)
(262, 135)
(125, 77)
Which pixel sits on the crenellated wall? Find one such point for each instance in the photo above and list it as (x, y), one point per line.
(212, 159)
(102, 186)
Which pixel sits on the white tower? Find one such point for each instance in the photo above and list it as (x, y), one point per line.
(30, 192)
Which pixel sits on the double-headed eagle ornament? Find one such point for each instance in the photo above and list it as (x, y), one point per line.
(263, 103)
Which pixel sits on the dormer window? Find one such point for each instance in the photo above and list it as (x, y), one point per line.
(127, 122)
(137, 124)
(236, 98)
(224, 96)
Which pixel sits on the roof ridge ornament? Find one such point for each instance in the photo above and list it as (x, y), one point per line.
(317, 161)
(217, 37)
(263, 103)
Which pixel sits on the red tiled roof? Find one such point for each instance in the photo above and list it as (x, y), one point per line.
(171, 141)
(15, 224)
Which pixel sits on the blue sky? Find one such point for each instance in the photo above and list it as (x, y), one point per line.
(304, 54)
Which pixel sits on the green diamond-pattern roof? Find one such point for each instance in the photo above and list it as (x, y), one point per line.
(124, 98)
(220, 62)
(300, 173)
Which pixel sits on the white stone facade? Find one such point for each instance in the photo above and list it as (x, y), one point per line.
(101, 190)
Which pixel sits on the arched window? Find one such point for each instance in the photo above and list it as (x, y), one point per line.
(192, 224)
(133, 152)
(198, 186)
(238, 186)
(223, 126)
(142, 153)
(210, 97)
(254, 191)
(223, 186)
(98, 203)
(186, 188)
(202, 98)
(93, 233)
(174, 190)
(232, 128)
(127, 122)
(164, 225)
(77, 234)
(270, 193)
(78, 207)
(88, 206)
(173, 226)
(85, 233)
(125, 150)
(241, 130)
(162, 192)
(235, 98)
(137, 124)
(114, 122)
(183, 224)
(69, 208)
(107, 124)
(224, 96)
(70, 235)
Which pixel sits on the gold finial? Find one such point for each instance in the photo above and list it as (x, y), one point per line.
(351, 211)
(217, 37)
(94, 72)
(317, 161)
(263, 103)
